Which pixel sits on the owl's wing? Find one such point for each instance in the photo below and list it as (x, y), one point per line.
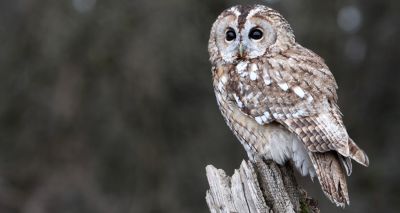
(297, 90)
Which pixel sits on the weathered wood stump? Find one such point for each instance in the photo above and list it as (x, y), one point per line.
(262, 186)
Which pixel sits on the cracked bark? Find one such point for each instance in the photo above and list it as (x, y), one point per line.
(260, 186)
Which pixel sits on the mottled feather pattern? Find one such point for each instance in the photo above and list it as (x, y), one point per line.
(304, 115)
(279, 98)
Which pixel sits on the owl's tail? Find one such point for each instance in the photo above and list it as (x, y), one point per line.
(332, 176)
(357, 154)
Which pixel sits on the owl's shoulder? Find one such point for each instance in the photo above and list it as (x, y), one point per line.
(299, 66)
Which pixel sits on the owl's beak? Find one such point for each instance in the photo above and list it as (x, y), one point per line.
(241, 50)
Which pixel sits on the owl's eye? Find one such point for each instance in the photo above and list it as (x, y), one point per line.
(255, 34)
(230, 34)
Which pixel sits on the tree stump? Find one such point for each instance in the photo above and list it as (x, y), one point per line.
(260, 186)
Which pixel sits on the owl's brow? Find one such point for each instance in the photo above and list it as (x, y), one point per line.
(260, 16)
(228, 13)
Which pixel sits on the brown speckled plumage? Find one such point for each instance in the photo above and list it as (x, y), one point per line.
(279, 98)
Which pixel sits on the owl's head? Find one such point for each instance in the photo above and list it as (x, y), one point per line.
(248, 32)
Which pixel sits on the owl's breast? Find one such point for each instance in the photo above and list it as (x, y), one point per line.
(249, 85)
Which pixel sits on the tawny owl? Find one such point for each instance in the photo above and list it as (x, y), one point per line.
(279, 98)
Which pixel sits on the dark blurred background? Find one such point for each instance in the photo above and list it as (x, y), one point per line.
(107, 106)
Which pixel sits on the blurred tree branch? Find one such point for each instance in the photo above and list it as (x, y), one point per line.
(260, 186)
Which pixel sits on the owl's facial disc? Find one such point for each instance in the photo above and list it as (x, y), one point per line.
(243, 33)
(247, 41)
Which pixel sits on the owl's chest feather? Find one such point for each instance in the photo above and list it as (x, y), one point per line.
(247, 84)
(248, 77)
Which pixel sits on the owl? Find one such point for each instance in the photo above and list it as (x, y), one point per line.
(279, 98)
